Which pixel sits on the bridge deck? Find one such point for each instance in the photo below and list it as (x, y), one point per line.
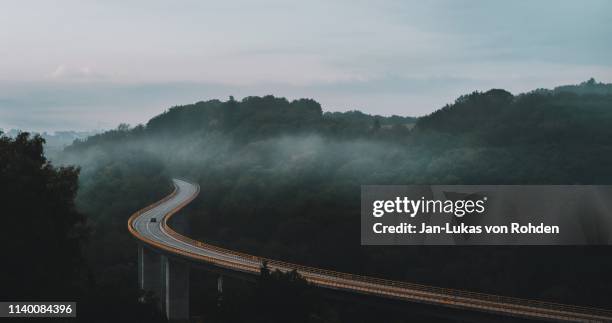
(159, 235)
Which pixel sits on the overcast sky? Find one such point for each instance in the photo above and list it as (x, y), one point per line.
(93, 64)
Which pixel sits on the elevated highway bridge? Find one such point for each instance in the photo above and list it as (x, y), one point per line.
(165, 256)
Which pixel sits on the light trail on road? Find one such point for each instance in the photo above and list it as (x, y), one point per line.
(159, 235)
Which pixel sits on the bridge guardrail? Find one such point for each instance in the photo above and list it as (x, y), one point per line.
(366, 284)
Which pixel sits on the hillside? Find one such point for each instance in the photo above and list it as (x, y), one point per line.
(496, 117)
(588, 87)
(272, 172)
(251, 119)
(565, 115)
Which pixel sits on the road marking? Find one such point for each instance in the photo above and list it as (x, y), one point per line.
(185, 191)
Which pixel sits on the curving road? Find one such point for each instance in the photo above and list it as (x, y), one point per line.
(159, 235)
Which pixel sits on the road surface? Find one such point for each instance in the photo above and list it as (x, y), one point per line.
(159, 235)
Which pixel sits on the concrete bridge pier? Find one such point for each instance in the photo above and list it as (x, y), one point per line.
(219, 290)
(175, 300)
(150, 273)
(220, 284)
(167, 281)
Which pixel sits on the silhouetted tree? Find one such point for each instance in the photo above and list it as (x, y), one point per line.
(41, 230)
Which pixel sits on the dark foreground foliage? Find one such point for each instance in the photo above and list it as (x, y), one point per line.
(52, 252)
(41, 230)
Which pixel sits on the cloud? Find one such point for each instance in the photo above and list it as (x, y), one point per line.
(83, 73)
(393, 57)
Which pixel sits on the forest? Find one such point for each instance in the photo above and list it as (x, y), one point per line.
(281, 179)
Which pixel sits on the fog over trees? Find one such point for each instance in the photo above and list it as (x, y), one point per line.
(282, 179)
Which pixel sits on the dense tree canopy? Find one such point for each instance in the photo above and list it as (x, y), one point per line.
(282, 179)
(53, 251)
(43, 229)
